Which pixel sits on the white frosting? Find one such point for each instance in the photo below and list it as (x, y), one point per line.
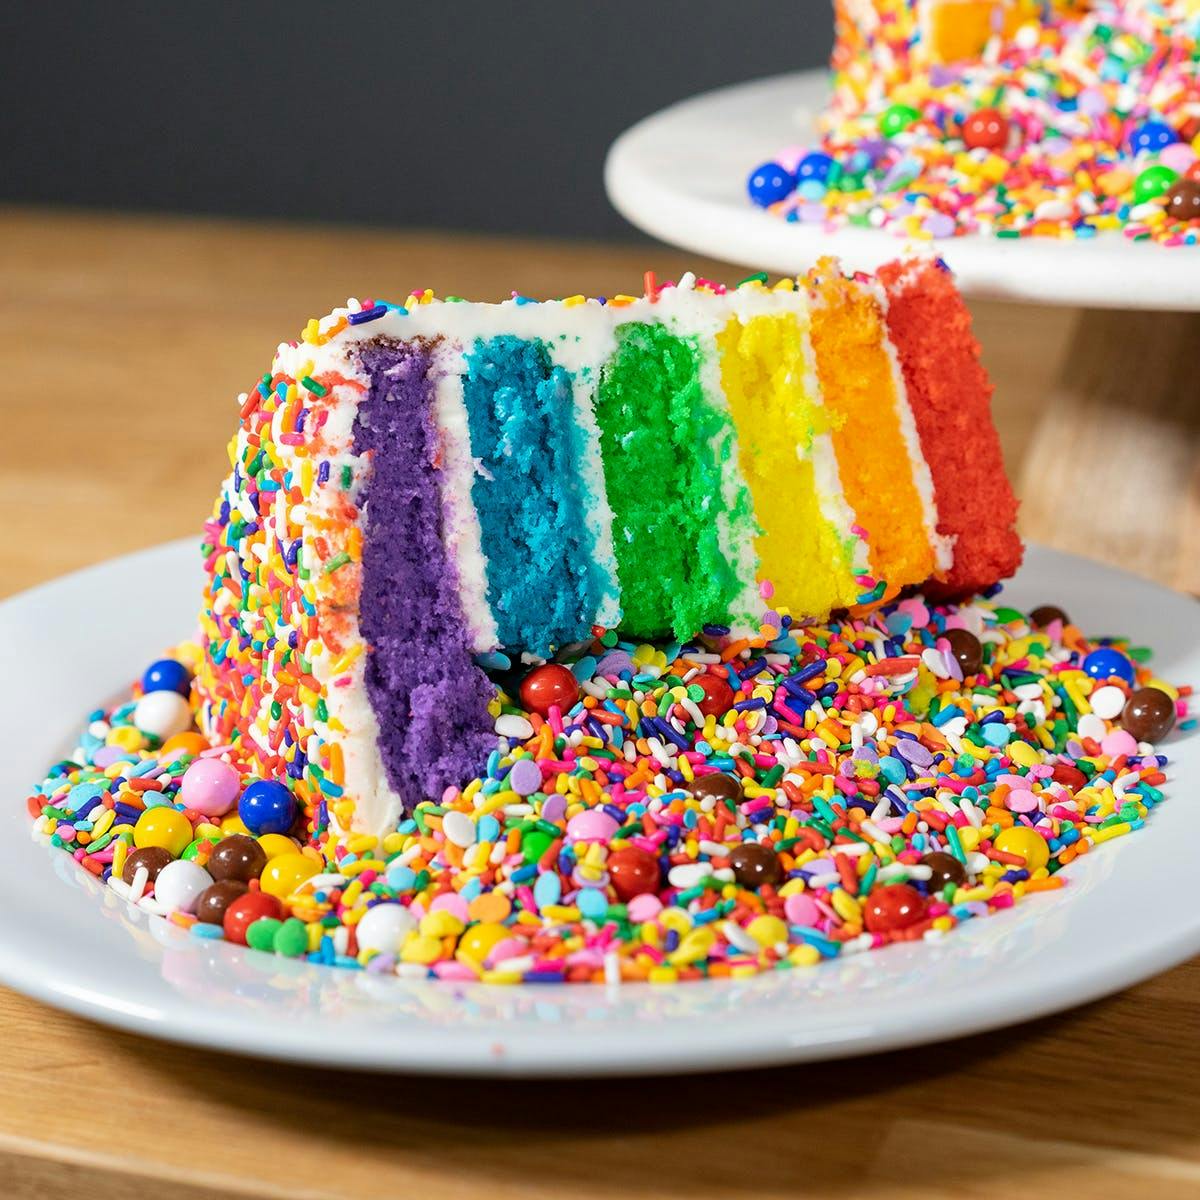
(943, 547)
(460, 525)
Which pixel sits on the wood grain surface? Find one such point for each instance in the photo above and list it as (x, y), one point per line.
(126, 342)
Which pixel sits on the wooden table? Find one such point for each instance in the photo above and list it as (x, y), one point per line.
(126, 341)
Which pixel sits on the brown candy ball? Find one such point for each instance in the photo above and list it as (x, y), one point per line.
(1047, 614)
(966, 649)
(1183, 201)
(720, 786)
(153, 858)
(946, 869)
(755, 864)
(215, 899)
(237, 857)
(1149, 714)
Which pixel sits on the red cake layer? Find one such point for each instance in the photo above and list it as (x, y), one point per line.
(950, 397)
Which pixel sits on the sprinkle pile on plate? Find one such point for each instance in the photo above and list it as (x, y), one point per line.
(660, 812)
(1084, 120)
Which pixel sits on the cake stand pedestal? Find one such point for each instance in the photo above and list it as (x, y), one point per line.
(1117, 446)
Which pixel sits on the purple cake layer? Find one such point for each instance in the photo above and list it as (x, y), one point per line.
(429, 697)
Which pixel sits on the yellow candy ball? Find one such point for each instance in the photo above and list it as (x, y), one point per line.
(1026, 842)
(233, 824)
(480, 940)
(164, 828)
(275, 844)
(768, 931)
(284, 873)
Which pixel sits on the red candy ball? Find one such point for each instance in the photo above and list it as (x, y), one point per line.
(893, 906)
(633, 872)
(548, 685)
(1068, 776)
(247, 909)
(985, 130)
(718, 695)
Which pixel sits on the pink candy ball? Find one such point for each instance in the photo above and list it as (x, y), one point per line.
(1178, 156)
(591, 826)
(210, 786)
(1119, 742)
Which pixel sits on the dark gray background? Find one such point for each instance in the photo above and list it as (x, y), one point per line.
(456, 115)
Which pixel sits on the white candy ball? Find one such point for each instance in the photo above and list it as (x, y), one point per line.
(179, 885)
(384, 927)
(163, 714)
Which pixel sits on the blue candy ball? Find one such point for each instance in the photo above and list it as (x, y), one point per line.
(1152, 136)
(167, 675)
(267, 807)
(769, 183)
(1106, 662)
(814, 166)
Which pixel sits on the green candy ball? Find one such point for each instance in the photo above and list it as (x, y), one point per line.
(193, 848)
(1153, 181)
(897, 119)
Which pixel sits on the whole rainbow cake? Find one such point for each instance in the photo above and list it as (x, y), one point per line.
(1062, 118)
(651, 639)
(417, 488)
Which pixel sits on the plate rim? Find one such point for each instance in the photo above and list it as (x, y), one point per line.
(652, 178)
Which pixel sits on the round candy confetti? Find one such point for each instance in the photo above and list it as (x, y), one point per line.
(163, 827)
(210, 786)
(1107, 663)
(547, 686)
(769, 183)
(162, 714)
(237, 857)
(677, 812)
(244, 910)
(167, 675)
(1149, 715)
(179, 885)
(266, 806)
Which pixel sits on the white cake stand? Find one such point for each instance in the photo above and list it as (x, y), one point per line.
(1119, 438)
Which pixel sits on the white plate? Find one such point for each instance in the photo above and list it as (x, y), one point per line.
(1130, 909)
(681, 176)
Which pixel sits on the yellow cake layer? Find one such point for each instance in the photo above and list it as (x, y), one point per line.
(764, 376)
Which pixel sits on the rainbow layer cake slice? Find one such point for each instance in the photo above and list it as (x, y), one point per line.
(423, 494)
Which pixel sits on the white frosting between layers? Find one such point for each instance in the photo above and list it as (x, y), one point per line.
(461, 530)
(942, 546)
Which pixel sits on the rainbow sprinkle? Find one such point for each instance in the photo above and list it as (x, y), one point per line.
(1072, 121)
(703, 810)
